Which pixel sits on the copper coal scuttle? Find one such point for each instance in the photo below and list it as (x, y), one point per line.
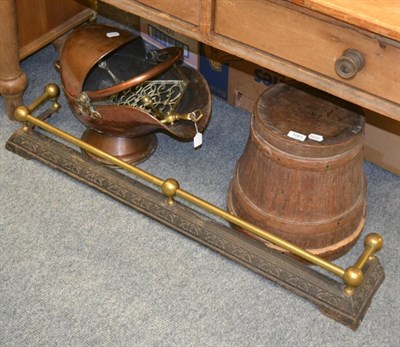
(124, 93)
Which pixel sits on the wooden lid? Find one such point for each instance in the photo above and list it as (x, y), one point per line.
(302, 120)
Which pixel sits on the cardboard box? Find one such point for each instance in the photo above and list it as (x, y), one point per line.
(235, 80)
(162, 37)
(382, 141)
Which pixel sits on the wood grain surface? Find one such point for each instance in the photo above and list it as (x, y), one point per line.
(379, 16)
(177, 8)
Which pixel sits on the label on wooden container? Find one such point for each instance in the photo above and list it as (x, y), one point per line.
(296, 136)
(316, 137)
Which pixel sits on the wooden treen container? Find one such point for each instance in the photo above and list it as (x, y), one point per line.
(301, 174)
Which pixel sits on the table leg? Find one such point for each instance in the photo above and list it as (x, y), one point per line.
(13, 80)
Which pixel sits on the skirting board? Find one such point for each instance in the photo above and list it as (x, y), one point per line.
(326, 293)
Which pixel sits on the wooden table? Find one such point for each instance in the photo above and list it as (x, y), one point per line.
(301, 39)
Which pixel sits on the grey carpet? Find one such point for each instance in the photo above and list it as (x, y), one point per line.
(79, 269)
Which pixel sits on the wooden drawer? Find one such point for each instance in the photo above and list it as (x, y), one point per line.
(177, 8)
(310, 42)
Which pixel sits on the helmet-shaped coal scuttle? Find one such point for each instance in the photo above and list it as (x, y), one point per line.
(124, 94)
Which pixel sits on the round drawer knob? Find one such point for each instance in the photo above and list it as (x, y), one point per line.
(349, 64)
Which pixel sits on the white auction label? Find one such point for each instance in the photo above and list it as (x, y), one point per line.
(198, 140)
(296, 136)
(316, 137)
(113, 34)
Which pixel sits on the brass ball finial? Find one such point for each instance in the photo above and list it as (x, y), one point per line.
(353, 276)
(374, 240)
(21, 113)
(52, 90)
(169, 188)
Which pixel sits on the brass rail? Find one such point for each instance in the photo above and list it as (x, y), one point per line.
(352, 276)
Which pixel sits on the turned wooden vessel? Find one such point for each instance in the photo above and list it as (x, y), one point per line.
(301, 174)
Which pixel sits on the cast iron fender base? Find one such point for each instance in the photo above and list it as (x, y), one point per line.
(325, 292)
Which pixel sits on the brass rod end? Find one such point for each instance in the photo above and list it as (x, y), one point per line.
(353, 276)
(372, 244)
(52, 91)
(21, 114)
(375, 241)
